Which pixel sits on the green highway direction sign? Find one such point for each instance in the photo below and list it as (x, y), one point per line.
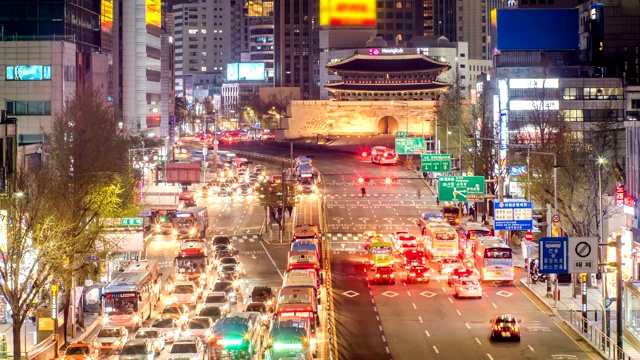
(435, 162)
(130, 221)
(461, 188)
(409, 145)
(402, 133)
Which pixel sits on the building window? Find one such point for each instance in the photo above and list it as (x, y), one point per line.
(408, 15)
(28, 107)
(399, 26)
(572, 115)
(398, 15)
(408, 5)
(389, 4)
(635, 104)
(399, 5)
(379, 26)
(570, 93)
(389, 26)
(389, 15)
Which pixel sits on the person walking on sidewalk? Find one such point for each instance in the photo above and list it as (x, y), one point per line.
(363, 190)
(419, 194)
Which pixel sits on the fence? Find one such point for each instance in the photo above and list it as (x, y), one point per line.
(590, 332)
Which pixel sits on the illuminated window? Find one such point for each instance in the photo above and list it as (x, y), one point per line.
(399, 5)
(204, 31)
(193, 31)
(572, 115)
(569, 93)
(203, 68)
(407, 5)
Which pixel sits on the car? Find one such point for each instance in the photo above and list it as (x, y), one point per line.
(137, 349)
(80, 351)
(155, 336)
(229, 261)
(217, 298)
(168, 327)
(190, 347)
(222, 251)
(413, 257)
(213, 312)
(264, 294)
(228, 272)
(220, 240)
(384, 275)
(245, 189)
(447, 265)
(505, 326)
(185, 292)
(456, 274)
(200, 326)
(111, 338)
(418, 273)
(259, 169)
(178, 312)
(469, 287)
(377, 150)
(228, 287)
(262, 308)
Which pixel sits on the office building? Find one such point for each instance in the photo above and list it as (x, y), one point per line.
(258, 34)
(399, 21)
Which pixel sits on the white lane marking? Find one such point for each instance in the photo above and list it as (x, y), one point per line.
(420, 318)
(405, 284)
(380, 327)
(386, 348)
(372, 301)
(531, 348)
(426, 332)
(490, 357)
(370, 292)
(273, 262)
(444, 290)
(384, 339)
(375, 309)
(365, 270)
(478, 341)
(414, 305)
(436, 349)
(467, 325)
(450, 300)
(377, 317)
(459, 313)
(494, 305)
(409, 293)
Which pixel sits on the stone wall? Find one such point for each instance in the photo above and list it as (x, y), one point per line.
(327, 117)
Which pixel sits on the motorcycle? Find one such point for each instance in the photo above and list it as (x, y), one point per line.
(537, 277)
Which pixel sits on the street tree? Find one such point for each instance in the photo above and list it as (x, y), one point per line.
(32, 239)
(269, 195)
(89, 179)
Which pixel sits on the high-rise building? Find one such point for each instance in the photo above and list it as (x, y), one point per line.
(462, 20)
(167, 77)
(296, 50)
(399, 21)
(207, 39)
(258, 34)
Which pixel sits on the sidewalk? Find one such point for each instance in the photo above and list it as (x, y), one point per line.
(91, 322)
(567, 302)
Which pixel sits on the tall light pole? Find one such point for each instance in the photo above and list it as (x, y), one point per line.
(600, 161)
(406, 116)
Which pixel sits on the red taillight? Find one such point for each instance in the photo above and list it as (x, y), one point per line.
(393, 275)
(496, 327)
(315, 266)
(364, 154)
(377, 275)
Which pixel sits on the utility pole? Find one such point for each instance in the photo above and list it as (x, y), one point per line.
(284, 204)
(619, 315)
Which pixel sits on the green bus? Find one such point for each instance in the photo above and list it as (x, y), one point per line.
(380, 253)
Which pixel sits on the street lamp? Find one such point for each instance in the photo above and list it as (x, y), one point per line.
(406, 116)
(600, 161)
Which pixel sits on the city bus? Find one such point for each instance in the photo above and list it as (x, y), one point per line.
(380, 252)
(191, 222)
(468, 232)
(153, 268)
(128, 300)
(440, 240)
(494, 259)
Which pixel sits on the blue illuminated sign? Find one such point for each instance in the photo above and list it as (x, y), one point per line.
(513, 215)
(554, 256)
(28, 72)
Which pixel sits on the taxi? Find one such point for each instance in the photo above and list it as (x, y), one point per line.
(80, 351)
(418, 273)
(457, 274)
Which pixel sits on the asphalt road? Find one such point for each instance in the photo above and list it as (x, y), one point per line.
(423, 321)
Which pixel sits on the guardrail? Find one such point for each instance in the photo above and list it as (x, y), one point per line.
(261, 156)
(590, 332)
(330, 343)
(46, 349)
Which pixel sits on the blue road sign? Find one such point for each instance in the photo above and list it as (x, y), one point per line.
(513, 215)
(554, 255)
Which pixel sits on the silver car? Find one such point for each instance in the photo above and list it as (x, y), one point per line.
(200, 326)
(137, 349)
(168, 327)
(154, 336)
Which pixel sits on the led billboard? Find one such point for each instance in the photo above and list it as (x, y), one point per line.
(154, 11)
(106, 17)
(537, 29)
(347, 13)
(246, 71)
(28, 72)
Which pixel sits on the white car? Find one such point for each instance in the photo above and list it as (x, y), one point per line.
(187, 348)
(168, 327)
(217, 298)
(154, 336)
(185, 292)
(200, 326)
(469, 287)
(111, 338)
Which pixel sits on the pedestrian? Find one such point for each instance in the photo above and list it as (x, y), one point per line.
(363, 190)
(419, 194)
(472, 213)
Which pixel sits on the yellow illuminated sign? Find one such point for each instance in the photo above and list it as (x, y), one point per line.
(154, 12)
(106, 17)
(347, 12)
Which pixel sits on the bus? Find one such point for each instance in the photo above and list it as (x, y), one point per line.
(468, 232)
(380, 252)
(440, 240)
(191, 222)
(128, 300)
(494, 259)
(153, 268)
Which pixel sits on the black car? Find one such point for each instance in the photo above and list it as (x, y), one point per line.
(505, 327)
(228, 272)
(229, 261)
(228, 287)
(221, 240)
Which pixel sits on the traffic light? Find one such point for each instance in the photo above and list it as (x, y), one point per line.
(163, 219)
